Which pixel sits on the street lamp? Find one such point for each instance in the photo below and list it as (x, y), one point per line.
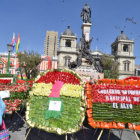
(10, 47)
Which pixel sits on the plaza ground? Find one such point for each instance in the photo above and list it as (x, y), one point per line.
(18, 130)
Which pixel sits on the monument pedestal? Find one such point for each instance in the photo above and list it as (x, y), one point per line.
(88, 72)
(86, 30)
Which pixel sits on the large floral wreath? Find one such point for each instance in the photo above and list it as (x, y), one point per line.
(57, 102)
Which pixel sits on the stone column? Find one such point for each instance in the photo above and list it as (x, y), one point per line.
(86, 30)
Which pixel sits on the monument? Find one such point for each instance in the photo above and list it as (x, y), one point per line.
(86, 66)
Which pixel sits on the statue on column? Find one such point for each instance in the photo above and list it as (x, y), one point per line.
(84, 46)
(86, 14)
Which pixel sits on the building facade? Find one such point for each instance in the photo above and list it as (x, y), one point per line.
(122, 50)
(14, 64)
(67, 51)
(51, 43)
(47, 62)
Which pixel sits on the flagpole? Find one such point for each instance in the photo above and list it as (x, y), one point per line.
(13, 44)
(15, 63)
(17, 47)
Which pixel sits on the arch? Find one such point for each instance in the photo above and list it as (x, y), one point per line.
(68, 43)
(125, 48)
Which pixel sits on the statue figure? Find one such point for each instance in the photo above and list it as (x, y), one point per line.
(86, 14)
(98, 64)
(84, 52)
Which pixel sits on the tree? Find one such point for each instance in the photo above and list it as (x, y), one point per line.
(28, 62)
(110, 67)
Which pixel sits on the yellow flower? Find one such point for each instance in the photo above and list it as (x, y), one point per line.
(41, 89)
(71, 90)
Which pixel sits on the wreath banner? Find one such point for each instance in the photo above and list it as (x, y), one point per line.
(113, 104)
(56, 102)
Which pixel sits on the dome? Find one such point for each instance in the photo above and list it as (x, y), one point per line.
(122, 36)
(68, 32)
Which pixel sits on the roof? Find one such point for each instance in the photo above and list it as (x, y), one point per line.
(122, 36)
(68, 32)
(95, 52)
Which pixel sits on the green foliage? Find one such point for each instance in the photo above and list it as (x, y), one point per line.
(19, 95)
(110, 67)
(6, 75)
(106, 112)
(71, 113)
(28, 63)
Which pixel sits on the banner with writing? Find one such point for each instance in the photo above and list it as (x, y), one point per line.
(116, 94)
(113, 106)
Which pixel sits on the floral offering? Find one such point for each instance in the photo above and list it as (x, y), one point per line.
(56, 102)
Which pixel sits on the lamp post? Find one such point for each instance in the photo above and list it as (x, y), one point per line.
(8, 62)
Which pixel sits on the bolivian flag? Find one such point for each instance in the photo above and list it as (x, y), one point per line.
(18, 44)
(13, 41)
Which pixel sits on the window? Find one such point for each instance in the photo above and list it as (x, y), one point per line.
(48, 42)
(114, 50)
(66, 60)
(126, 65)
(68, 43)
(48, 38)
(125, 48)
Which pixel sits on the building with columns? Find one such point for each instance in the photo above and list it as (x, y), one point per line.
(123, 51)
(67, 51)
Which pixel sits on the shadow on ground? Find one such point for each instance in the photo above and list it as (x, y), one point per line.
(18, 130)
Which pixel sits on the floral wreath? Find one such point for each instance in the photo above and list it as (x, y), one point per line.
(56, 102)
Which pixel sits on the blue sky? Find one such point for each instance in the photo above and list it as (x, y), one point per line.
(32, 18)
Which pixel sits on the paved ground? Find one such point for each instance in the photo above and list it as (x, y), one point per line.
(18, 130)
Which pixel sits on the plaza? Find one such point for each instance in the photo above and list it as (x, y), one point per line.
(81, 83)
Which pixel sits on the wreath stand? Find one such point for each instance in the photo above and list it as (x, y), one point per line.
(101, 132)
(136, 135)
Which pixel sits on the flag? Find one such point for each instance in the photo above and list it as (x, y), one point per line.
(18, 44)
(13, 41)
